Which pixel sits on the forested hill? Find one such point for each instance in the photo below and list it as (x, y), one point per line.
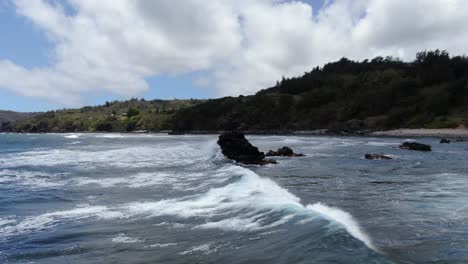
(381, 93)
(9, 117)
(131, 115)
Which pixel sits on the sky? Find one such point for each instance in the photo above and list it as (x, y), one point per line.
(69, 53)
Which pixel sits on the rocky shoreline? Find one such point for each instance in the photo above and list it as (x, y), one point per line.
(399, 133)
(236, 147)
(458, 133)
(421, 132)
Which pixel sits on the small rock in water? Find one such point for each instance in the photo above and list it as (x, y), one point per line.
(285, 152)
(445, 141)
(377, 157)
(236, 147)
(415, 146)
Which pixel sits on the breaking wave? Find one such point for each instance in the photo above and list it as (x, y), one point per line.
(246, 203)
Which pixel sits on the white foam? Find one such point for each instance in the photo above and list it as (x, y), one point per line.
(251, 199)
(129, 157)
(345, 219)
(252, 192)
(245, 224)
(181, 181)
(233, 224)
(31, 179)
(331, 143)
(104, 182)
(123, 239)
(4, 222)
(47, 220)
(205, 248)
(27, 225)
(178, 225)
(110, 136)
(162, 224)
(72, 136)
(259, 195)
(382, 144)
(165, 245)
(292, 141)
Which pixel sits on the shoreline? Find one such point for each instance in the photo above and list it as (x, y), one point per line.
(461, 133)
(423, 132)
(398, 133)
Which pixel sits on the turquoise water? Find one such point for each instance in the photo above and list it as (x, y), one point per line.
(126, 198)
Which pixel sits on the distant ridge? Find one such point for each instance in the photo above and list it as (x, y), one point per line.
(9, 116)
(378, 94)
(116, 116)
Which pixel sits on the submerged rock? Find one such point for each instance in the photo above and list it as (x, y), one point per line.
(415, 146)
(445, 141)
(377, 157)
(284, 152)
(236, 147)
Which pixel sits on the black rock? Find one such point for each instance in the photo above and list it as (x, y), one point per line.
(236, 147)
(377, 157)
(176, 133)
(445, 141)
(285, 152)
(415, 146)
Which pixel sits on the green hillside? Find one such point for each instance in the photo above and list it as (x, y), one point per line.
(131, 115)
(381, 93)
(7, 118)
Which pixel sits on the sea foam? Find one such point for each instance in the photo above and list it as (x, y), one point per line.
(248, 203)
(345, 219)
(122, 238)
(72, 136)
(129, 157)
(44, 221)
(35, 180)
(252, 200)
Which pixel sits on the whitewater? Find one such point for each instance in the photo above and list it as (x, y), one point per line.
(154, 198)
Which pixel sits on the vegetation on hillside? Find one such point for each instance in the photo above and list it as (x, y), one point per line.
(131, 115)
(381, 93)
(7, 118)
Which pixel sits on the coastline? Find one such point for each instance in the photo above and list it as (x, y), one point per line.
(399, 133)
(423, 132)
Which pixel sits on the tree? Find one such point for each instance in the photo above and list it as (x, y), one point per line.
(104, 126)
(132, 112)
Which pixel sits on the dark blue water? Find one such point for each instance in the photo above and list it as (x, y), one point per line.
(109, 198)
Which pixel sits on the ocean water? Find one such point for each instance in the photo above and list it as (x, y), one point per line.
(126, 198)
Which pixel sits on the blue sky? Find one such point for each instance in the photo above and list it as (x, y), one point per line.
(28, 46)
(68, 53)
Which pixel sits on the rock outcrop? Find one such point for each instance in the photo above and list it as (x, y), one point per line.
(284, 152)
(445, 141)
(236, 147)
(415, 146)
(377, 157)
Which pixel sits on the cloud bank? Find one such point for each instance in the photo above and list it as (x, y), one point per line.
(241, 45)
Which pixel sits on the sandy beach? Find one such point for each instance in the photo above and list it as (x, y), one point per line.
(422, 132)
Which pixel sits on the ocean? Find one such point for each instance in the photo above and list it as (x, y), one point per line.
(154, 198)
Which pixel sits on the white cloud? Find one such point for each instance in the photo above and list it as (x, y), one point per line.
(246, 45)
